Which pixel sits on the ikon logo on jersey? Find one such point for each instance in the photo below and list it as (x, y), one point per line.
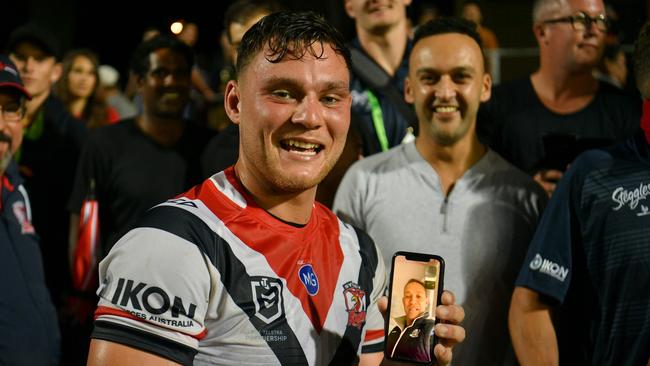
(267, 295)
(309, 279)
(355, 304)
(548, 267)
(153, 299)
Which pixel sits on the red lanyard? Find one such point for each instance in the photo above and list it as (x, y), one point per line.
(645, 120)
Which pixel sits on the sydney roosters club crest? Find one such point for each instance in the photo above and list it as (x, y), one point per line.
(21, 215)
(355, 303)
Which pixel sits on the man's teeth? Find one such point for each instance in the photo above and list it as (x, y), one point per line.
(446, 109)
(302, 145)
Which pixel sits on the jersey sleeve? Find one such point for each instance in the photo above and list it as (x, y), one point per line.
(548, 263)
(154, 293)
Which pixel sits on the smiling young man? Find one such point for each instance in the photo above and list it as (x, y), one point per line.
(446, 193)
(561, 101)
(247, 268)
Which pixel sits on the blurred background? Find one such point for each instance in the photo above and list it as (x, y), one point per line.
(113, 28)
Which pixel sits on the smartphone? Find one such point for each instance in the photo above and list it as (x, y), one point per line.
(415, 288)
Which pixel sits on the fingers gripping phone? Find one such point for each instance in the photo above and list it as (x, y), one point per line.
(416, 285)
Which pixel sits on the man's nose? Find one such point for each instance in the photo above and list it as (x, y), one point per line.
(445, 88)
(308, 112)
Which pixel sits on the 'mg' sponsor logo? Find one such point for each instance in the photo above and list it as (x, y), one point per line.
(154, 300)
(548, 267)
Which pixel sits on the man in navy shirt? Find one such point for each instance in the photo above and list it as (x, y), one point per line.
(587, 266)
(29, 334)
(382, 44)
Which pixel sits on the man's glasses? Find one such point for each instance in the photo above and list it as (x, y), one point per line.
(582, 21)
(11, 113)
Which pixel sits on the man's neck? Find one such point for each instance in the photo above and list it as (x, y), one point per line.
(564, 91)
(386, 48)
(290, 207)
(166, 132)
(32, 107)
(451, 161)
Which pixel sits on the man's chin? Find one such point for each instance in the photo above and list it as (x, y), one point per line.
(4, 162)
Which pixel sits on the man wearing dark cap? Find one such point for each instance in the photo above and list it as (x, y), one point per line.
(49, 153)
(29, 333)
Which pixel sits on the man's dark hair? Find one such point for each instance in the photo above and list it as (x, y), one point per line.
(447, 25)
(450, 25)
(292, 34)
(413, 280)
(642, 60)
(242, 10)
(140, 63)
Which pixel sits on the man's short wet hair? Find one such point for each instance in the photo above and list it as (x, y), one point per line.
(140, 62)
(290, 34)
(642, 60)
(242, 10)
(450, 25)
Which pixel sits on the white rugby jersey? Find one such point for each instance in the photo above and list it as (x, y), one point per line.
(212, 278)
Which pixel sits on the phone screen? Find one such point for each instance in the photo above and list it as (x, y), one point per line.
(415, 289)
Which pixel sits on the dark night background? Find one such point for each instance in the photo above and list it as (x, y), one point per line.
(113, 28)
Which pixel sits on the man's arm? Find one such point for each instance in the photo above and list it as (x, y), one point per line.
(531, 329)
(106, 353)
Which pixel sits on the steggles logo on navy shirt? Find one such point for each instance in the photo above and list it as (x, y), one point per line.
(631, 198)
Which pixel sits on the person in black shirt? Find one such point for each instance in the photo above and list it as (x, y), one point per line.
(560, 109)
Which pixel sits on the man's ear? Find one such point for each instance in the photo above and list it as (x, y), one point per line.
(349, 9)
(486, 88)
(57, 70)
(232, 100)
(408, 91)
(539, 30)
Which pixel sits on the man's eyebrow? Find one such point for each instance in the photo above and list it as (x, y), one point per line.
(429, 70)
(275, 81)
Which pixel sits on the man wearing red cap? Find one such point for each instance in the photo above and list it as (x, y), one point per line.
(587, 266)
(29, 334)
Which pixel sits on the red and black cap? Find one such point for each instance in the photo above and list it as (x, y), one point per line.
(10, 78)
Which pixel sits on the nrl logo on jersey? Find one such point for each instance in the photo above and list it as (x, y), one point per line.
(267, 295)
(355, 304)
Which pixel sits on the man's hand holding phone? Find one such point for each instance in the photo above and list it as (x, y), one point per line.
(448, 330)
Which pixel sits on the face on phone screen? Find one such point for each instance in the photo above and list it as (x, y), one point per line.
(415, 290)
